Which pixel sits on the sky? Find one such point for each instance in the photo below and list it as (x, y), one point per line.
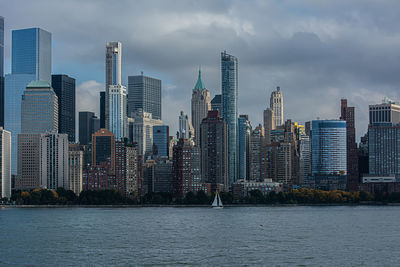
(317, 51)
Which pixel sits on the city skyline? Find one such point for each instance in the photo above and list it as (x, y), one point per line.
(306, 53)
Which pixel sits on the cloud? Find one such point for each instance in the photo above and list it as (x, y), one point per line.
(317, 51)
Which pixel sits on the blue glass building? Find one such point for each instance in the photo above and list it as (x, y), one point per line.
(31, 60)
(329, 154)
(161, 140)
(229, 75)
(244, 131)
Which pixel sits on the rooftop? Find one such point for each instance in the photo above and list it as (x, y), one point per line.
(38, 84)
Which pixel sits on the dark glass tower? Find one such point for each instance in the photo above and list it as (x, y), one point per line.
(229, 77)
(87, 127)
(103, 109)
(64, 87)
(144, 93)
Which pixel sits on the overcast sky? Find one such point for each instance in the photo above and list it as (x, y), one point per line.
(317, 52)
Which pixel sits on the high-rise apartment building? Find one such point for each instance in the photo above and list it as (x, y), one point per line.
(5, 161)
(64, 87)
(39, 108)
(141, 131)
(54, 161)
(329, 152)
(87, 127)
(117, 119)
(161, 140)
(186, 168)
(269, 124)
(28, 161)
(113, 73)
(31, 60)
(257, 143)
(214, 151)
(1, 71)
(305, 158)
(347, 114)
(229, 77)
(186, 130)
(276, 105)
(133, 170)
(216, 103)
(75, 168)
(144, 93)
(103, 148)
(200, 106)
(244, 131)
(279, 162)
(384, 139)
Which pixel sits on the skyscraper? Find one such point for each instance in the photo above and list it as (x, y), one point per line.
(5, 161)
(244, 131)
(103, 109)
(216, 103)
(229, 77)
(214, 151)
(347, 114)
(276, 105)
(161, 140)
(31, 53)
(75, 168)
(39, 115)
(103, 147)
(31, 60)
(257, 142)
(269, 124)
(329, 147)
(113, 73)
(200, 106)
(54, 161)
(39, 108)
(117, 113)
(64, 87)
(144, 93)
(1, 71)
(86, 127)
(186, 130)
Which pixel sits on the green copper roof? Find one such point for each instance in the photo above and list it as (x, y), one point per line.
(38, 84)
(199, 85)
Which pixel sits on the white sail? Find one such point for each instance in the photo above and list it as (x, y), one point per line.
(215, 202)
(220, 201)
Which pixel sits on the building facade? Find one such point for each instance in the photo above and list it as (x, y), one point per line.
(144, 93)
(87, 127)
(229, 77)
(133, 170)
(161, 141)
(28, 174)
(257, 147)
(244, 132)
(269, 124)
(186, 130)
(1, 71)
(117, 113)
(5, 160)
(216, 103)
(329, 151)
(201, 104)
(64, 87)
(54, 161)
(214, 151)
(102, 109)
(75, 168)
(276, 105)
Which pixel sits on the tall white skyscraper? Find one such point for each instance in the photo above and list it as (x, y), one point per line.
(201, 104)
(276, 104)
(5, 168)
(113, 72)
(117, 113)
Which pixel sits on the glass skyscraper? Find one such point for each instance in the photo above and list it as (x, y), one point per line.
(229, 75)
(144, 93)
(244, 131)
(64, 87)
(31, 60)
(161, 140)
(118, 123)
(329, 147)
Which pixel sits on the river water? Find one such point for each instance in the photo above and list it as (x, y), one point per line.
(238, 236)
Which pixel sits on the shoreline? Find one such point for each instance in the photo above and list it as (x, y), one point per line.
(201, 206)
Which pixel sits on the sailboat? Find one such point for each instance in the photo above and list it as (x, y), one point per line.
(217, 203)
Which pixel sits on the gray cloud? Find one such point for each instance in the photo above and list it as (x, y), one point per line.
(317, 51)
